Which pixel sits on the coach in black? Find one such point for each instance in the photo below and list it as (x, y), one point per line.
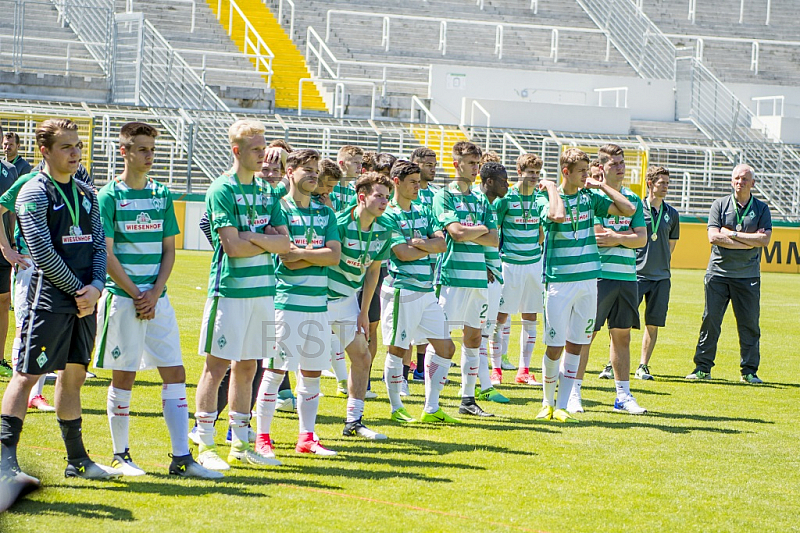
(60, 223)
(739, 226)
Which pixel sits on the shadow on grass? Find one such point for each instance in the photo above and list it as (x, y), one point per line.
(729, 383)
(707, 418)
(88, 511)
(628, 424)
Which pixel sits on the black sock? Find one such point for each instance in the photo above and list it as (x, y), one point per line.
(73, 439)
(10, 430)
(406, 369)
(467, 400)
(421, 361)
(285, 384)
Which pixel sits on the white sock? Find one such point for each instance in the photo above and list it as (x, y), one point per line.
(265, 402)
(393, 375)
(205, 427)
(239, 428)
(470, 361)
(576, 388)
(307, 402)
(355, 408)
(176, 415)
(527, 340)
(436, 369)
(484, 376)
(15, 347)
(571, 362)
(549, 379)
(623, 389)
(338, 360)
(118, 408)
(496, 345)
(506, 337)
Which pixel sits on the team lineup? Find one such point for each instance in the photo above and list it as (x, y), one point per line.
(312, 257)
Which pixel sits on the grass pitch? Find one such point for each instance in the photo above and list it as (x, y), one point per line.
(719, 456)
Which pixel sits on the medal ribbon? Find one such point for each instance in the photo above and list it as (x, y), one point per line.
(290, 200)
(72, 212)
(251, 210)
(739, 218)
(364, 250)
(412, 221)
(657, 221)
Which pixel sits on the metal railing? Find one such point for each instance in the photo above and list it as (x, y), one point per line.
(253, 43)
(129, 9)
(620, 95)
(339, 100)
(66, 62)
(92, 21)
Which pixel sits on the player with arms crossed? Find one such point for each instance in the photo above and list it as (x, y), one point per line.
(238, 319)
(137, 329)
(572, 266)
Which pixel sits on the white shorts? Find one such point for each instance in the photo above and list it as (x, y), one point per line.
(304, 341)
(523, 291)
(464, 306)
(570, 312)
(343, 314)
(238, 329)
(126, 343)
(21, 283)
(407, 315)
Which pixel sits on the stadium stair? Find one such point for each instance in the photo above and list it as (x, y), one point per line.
(431, 136)
(289, 64)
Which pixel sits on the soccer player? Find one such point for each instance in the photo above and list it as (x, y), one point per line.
(572, 266)
(383, 163)
(409, 309)
(493, 187)
(368, 162)
(11, 148)
(8, 175)
(521, 236)
(301, 306)
(739, 227)
(617, 297)
(461, 272)
(61, 224)
(238, 327)
(653, 262)
(366, 240)
(350, 159)
(136, 322)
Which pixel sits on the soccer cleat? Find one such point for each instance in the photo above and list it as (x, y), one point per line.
(643, 372)
(5, 369)
(88, 469)
(194, 436)
(90, 375)
(309, 443)
(370, 395)
(402, 416)
(699, 375)
(607, 373)
(264, 446)
(341, 388)
(505, 364)
(328, 374)
(524, 376)
(358, 429)
(286, 401)
(245, 455)
(575, 403)
(50, 376)
(628, 405)
(210, 459)
(15, 474)
(752, 379)
(545, 413)
(39, 402)
(251, 435)
(496, 377)
(561, 415)
(438, 416)
(473, 409)
(418, 375)
(186, 466)
(404, 389)
(490, 395)
(124, 463)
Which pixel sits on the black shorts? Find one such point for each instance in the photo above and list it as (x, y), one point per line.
(5, 278)
(617, 303)
(656, 295)
(375, 304)
(49, 341)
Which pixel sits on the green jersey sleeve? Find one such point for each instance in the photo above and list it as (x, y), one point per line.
(600, 204)
(637, 220)
(443, 208)
(219, 204)
(171, 227)
(105, 201)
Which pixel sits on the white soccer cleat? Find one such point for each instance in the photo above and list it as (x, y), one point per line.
(404, 389)
(628, 405)
(247, 456)
(210, 459)
(370, 395)
(575, 404)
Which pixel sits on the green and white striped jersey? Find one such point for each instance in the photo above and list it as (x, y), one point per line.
(493, 262)
(247, 208)
(280, 190)
(138, 221)
(426, 195)
(306, 289)
(419, 222)
(519, 224)
(464, 263)
(570, 247)
(342, 197)
(359, 250)
(618, 262)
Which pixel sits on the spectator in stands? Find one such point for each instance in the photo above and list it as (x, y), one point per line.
(653, 262)
(739, 226)
(11, 148)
